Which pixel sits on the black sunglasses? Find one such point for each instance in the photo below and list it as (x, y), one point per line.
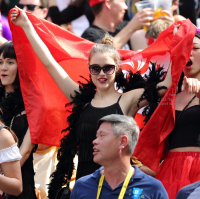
(108, 69)
(30, 7)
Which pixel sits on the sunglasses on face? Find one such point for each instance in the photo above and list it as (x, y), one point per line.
(30, 7)
(108, 69)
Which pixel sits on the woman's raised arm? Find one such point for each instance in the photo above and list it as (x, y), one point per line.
(65, 83)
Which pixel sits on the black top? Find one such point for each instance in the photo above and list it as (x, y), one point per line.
(186, 132)
(86, 133)
(20, 126)
(96, 34)
(11, 107)
(70, 13)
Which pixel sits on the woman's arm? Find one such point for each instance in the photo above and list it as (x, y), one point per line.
(65, 83)
(129, 101)
(26, 147)
(10, 182)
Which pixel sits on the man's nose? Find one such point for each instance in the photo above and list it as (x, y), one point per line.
(94, 142)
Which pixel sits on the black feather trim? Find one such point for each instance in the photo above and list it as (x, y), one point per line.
(134, 81)
(68, 147)
(151, 91)
(69, 143)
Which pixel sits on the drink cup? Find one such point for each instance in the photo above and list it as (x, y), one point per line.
(37, 186)
(160, 5)
(144, 4)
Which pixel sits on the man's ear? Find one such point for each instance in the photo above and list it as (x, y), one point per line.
(107, 4)
(124, 141)
(44, 12)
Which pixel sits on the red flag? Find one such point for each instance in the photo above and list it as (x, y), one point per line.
(43, 100)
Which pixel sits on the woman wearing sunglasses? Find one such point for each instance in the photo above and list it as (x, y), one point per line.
(91, 101)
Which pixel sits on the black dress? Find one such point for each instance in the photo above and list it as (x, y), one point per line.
(86, 133)
(12, 106)
(82, 126)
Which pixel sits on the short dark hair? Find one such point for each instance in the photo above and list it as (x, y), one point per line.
(7, 51)
(96, 9)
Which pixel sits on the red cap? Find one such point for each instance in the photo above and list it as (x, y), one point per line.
(94, 2)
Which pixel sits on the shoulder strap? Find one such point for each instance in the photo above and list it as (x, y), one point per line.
(119, 99)
(185, 107)
(1, 127)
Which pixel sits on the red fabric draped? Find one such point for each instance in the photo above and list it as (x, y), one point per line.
(45, 103)
(151, 144)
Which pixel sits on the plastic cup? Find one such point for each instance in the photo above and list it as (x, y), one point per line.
(144, 4)
(160, 5)
(37, 186)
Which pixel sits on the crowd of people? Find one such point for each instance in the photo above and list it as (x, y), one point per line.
(101, 130)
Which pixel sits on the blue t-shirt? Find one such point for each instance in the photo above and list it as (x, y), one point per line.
(141, 185)
(191, 191)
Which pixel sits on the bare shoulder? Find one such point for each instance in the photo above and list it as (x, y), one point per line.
(6, 140)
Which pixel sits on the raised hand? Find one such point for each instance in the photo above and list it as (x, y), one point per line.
(143, 18)
(192, 86)
(167, 16)
(19, 17)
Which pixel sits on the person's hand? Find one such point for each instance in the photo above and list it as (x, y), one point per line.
(19, 17)
(142, 19)
(168, 16)
(192, 86)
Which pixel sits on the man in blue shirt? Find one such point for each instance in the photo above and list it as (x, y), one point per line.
(191, 191)
(117, 136)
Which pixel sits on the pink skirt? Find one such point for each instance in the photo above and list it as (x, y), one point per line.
(178, 170)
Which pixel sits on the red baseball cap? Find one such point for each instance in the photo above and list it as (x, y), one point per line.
(94, 2)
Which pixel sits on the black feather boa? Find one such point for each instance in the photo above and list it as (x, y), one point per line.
(151, 91)
(68, 146)
(11, 105)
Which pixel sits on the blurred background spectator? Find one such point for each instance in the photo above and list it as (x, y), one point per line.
(76, 12)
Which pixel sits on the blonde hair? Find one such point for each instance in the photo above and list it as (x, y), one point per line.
(157, 27)
(106, 46)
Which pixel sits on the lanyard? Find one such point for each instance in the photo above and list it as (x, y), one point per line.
(124, 187)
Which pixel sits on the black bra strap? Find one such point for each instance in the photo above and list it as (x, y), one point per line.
(119, 99)
(186, 107)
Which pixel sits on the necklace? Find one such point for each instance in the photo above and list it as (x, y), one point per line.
(124, 187)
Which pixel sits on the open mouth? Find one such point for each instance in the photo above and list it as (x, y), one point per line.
(102, 80)
(4, 75)
(189, 64)
(95, 151)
